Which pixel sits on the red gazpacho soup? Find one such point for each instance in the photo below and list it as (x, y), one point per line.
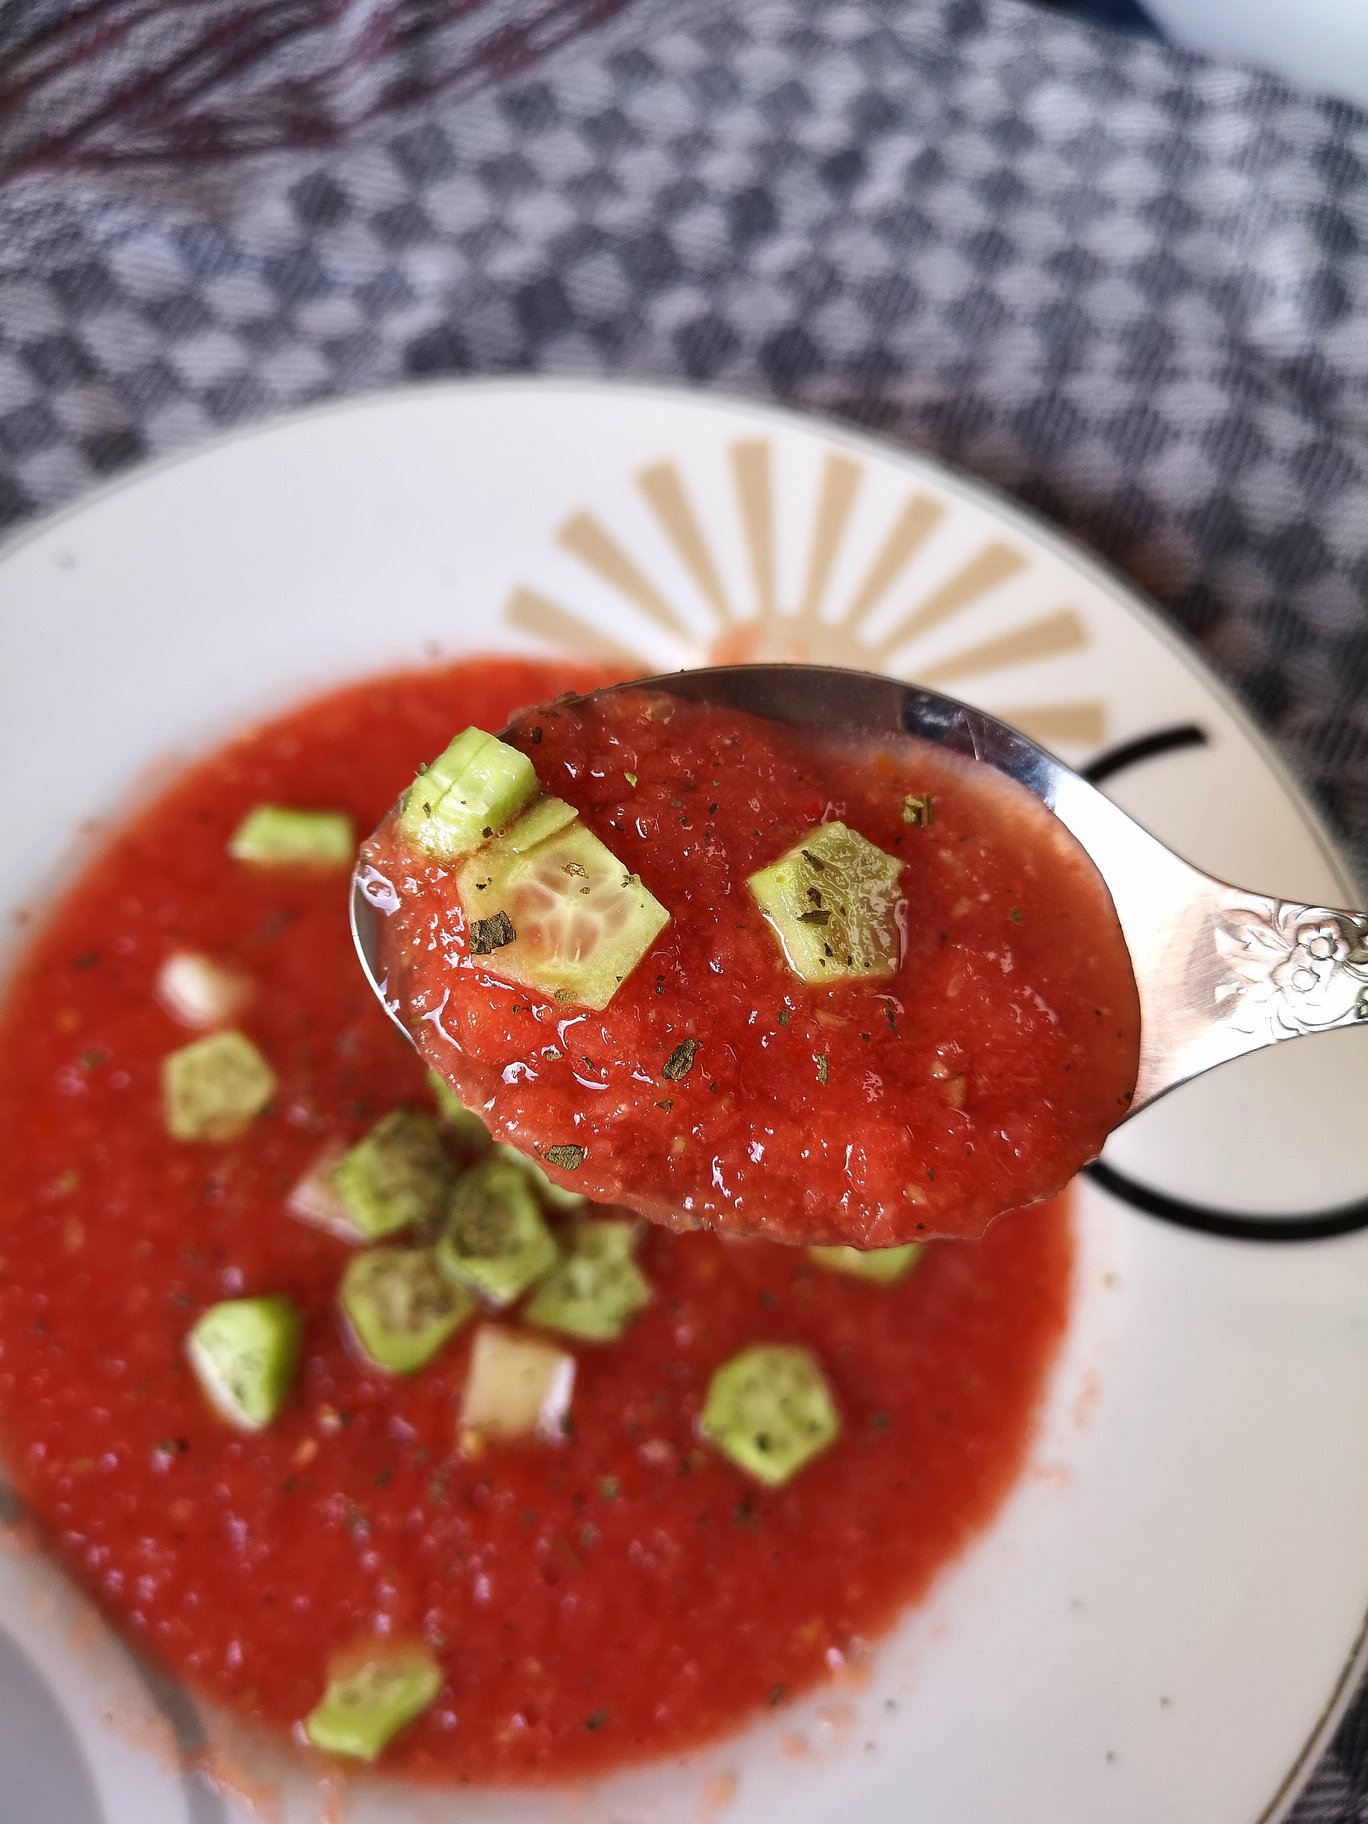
(811, 987)
(363, 1425)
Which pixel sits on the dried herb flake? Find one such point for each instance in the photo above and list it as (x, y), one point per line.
(568, 1158)
(919, 809)
(680, 1061)
(492, 933)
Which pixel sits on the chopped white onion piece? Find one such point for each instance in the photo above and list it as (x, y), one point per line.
(199, 992)
(315, 1200)
(516, 1386)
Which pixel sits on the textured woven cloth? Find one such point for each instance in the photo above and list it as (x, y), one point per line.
(1128, 286)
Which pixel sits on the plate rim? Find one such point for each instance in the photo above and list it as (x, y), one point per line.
(1120, 589)
(956, 479)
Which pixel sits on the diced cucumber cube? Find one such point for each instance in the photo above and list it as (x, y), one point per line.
(516, 1387)
(596, 1289)
(461, 1122)
(770, 1410)
(833, 902)
(397, 1175)
(370, 1697)
(214, 1088)
(283, 836)
(197, 991)
(883, 1266)
(546, 1188)
(467, 795)
(401, 1307)
(495, 1242)
(244, 1352)
(562, 916)
(540, 820)
(315, 1199)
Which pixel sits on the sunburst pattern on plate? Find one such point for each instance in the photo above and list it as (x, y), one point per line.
(878, 621)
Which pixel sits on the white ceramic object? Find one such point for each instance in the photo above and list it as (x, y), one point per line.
(1169, 1610)
(1320, 44)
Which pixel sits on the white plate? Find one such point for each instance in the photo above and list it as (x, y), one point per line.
(1167, 1613)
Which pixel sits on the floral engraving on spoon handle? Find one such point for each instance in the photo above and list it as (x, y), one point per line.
(1290, 968)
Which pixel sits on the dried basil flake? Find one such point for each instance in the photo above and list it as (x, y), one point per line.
(568, 1158)
(680, 1061)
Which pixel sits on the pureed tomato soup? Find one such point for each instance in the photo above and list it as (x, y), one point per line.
(978, 1072)
(618, 1593)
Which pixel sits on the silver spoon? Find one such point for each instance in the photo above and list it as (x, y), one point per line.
(1220, 970)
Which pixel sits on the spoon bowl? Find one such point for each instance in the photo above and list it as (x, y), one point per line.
(1220, 970)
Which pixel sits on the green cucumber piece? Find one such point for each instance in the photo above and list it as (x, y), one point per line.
(516, 1387)
(495, 1242)
(882, 1266)
(770, 1411)
(832, 902)
(537, 823)
(467, 794)
(214, 1088)
(597, 1289)
(370, 1697)
(244, 1352)
(401, 1306)
(283, 836)
(546, 1188)
(460, 1121)
(578, 923)
(398, 1174)
(314, 1199)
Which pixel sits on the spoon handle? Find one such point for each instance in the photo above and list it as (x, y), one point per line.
(1223, 971)
(1286, 968)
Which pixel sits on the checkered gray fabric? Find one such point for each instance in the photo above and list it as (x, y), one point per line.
(1128, 286)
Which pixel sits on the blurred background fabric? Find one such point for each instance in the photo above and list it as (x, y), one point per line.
(1126, 285)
